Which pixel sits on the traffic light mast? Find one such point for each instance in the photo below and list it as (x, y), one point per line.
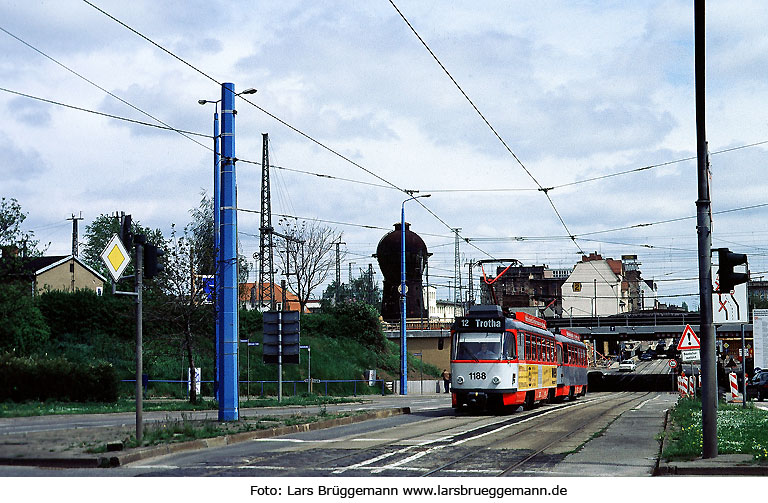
(727, 279)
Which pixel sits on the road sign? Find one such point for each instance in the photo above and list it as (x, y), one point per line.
(115, 257)
(689, 346)
(672, 364)
(689, 340)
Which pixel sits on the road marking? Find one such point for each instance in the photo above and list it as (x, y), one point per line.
(640, 406)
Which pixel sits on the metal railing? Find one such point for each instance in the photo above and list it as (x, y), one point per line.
(384, 385)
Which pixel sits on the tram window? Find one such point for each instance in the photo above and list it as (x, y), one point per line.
(559, 351)
(509, 346)
(527, 347)
(478, 346)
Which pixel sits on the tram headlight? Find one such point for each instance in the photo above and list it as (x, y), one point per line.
(496, 380)
(460, 380)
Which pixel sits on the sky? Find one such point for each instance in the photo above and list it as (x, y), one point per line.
(573, 90)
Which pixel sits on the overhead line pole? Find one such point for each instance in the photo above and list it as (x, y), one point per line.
(703, 228)
(227, 267)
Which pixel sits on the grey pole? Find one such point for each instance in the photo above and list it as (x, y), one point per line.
(708, 364)
(743, 368)
(139, 361)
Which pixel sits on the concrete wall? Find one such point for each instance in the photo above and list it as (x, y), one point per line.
(428, 346)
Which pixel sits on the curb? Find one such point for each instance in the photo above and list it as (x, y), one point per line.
(161, 450)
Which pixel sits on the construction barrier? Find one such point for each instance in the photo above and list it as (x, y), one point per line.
(734, 386)
(682, 385)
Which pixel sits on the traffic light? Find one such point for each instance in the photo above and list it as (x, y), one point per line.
(727, 279)
(287, 322)
(152, 266)
(126, 236)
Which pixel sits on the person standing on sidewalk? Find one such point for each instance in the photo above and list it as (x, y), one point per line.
(446, 379)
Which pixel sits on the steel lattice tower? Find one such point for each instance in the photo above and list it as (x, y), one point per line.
(266, 260)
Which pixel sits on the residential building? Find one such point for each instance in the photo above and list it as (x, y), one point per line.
(596, 287)
(519, 287)
(250, 298)
(65, 273)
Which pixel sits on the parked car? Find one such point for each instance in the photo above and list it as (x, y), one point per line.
(627, 366)
(646, 357)
(757, 387)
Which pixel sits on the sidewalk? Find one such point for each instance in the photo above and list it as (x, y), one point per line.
(67, 447)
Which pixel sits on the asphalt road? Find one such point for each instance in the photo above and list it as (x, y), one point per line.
(553, 439)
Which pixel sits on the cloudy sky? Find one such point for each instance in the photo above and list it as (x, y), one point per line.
(576, 90)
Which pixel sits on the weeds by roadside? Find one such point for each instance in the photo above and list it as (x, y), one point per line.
(185, 429)
(740, 430)
(12, 409)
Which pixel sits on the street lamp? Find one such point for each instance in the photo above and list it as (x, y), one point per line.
(216, 244)
(403, 346)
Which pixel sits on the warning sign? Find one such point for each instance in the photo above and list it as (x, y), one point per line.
(689, 346)
(689, 340)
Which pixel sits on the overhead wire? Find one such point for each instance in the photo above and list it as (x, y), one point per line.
(110, 116)
(541, 188)
(62, 65)
(273, 116)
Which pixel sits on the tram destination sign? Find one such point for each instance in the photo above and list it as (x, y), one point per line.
(489, 324)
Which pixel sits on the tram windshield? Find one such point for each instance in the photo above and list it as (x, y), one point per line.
(483, 346)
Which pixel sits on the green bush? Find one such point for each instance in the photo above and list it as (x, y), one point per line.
(353, 320)
(28, 378)
(77, 316)
(23, 329)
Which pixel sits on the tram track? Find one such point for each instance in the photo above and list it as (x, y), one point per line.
(514, 466)
(445, 445)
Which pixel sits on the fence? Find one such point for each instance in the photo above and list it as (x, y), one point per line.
(336, 384)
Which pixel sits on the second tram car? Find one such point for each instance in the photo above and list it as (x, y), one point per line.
(498, 361)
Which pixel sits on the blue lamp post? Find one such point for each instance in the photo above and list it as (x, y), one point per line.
(403, 344)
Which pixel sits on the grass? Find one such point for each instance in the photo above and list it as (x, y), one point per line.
(185, 429)
(740, 430)
(11, 409)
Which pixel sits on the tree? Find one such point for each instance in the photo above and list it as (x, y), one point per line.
(181, 302)
(361, 289)
(304, 251)
(200, 232)
(98, 234)
(16, 244)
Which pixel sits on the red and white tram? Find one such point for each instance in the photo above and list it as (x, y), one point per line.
(497, 361)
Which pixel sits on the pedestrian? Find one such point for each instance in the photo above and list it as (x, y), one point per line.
(446, 379)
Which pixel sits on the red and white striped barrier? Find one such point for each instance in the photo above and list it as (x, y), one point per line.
(734, 386)
(692, 386)
(682, 385)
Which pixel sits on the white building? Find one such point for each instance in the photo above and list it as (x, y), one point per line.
(595, 288)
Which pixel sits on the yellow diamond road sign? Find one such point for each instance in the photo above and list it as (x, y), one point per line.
(115, 257)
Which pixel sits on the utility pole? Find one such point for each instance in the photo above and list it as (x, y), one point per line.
(370, 283)
(338, 269)
(74, 233)
(227, 266)
(703, 228)
(266, 255)
(456, 274)
(471, 298)
(139, 337)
